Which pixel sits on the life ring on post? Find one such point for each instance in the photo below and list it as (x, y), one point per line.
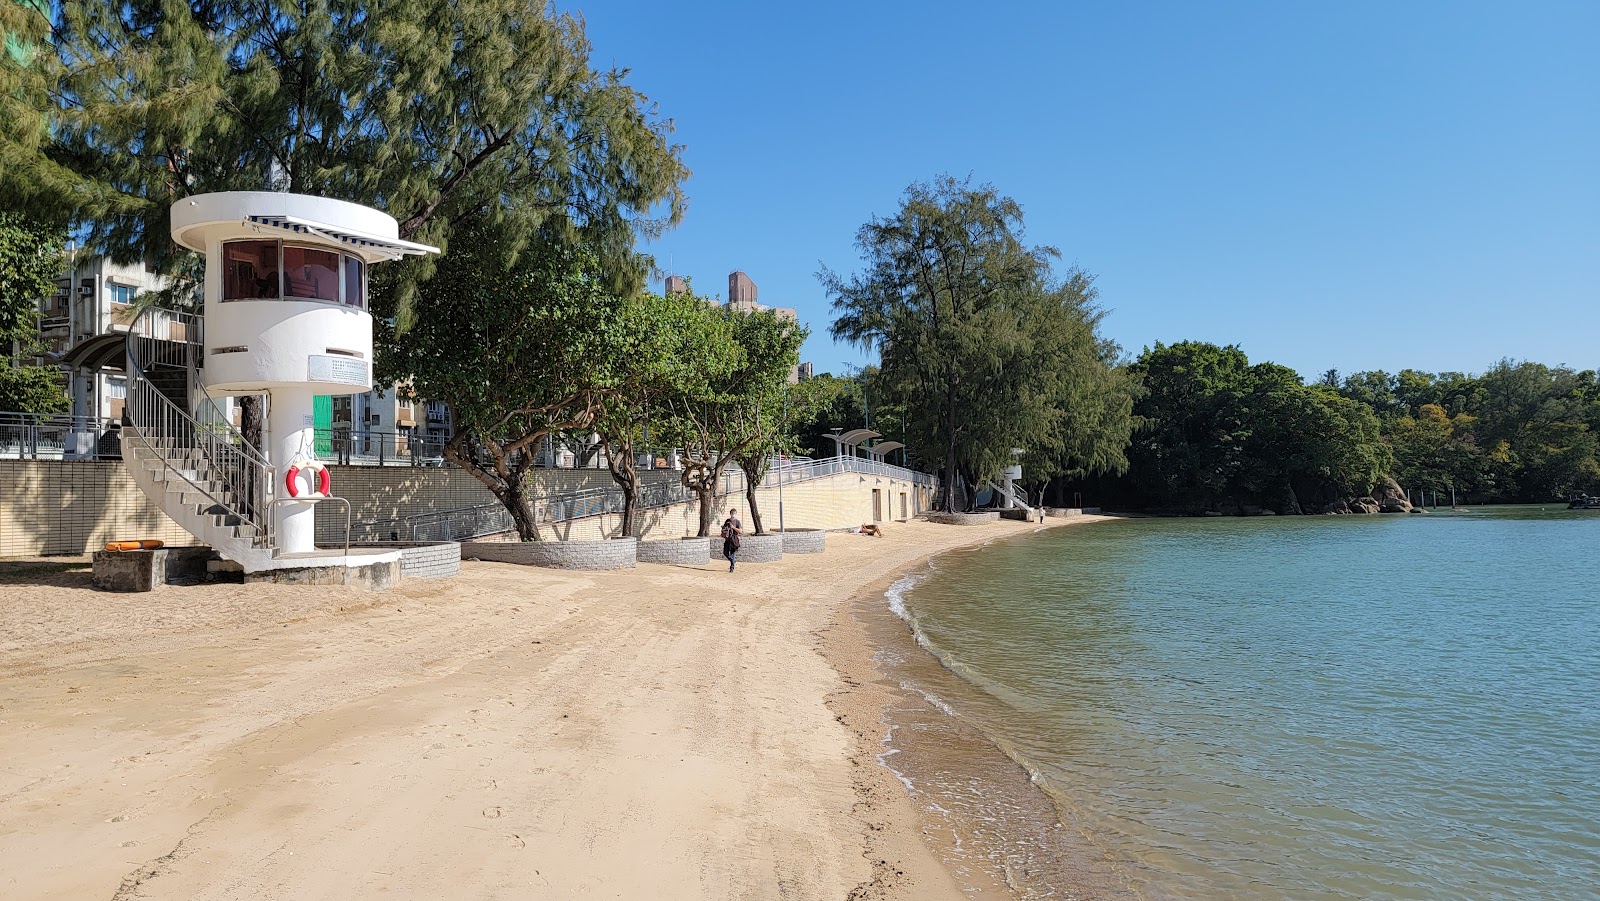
(323, 487)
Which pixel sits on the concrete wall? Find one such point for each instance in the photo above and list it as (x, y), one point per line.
(51, 507)
(74, 508)
(836, 502)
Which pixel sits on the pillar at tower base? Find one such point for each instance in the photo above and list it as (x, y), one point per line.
(293, 439)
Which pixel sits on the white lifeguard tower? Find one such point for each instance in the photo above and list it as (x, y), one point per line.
(286, 316)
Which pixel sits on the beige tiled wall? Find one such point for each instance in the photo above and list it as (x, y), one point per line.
(74, 508)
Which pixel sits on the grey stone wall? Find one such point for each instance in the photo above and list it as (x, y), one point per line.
(804, 541)
(964, 519)
(752, 548)
(677, 551)
(612, 553)
(424, 560)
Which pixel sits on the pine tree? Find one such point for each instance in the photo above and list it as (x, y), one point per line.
(437, 111)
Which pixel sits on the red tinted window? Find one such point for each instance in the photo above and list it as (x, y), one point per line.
(310, 273)
(355, 285)
(250, 270)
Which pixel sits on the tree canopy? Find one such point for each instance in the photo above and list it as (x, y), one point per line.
(440, 113)
(981, 346)
(1219, 433)
(519, 352)
(30, 261)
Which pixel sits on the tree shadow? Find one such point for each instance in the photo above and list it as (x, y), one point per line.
(47, 573)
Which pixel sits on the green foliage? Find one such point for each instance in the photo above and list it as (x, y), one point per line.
(673, 354)
(981, 347)
(1220, 433)
(1519, 432)
(736, 416)
(30, 261)
(441, 113)
(519, 351)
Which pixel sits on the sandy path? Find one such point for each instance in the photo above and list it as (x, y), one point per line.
(510, 733)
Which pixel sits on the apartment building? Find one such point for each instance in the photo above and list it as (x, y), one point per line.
(94, 298)
(743, 295)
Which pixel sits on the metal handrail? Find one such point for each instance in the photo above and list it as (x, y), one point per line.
(276, 502)
(242, 474)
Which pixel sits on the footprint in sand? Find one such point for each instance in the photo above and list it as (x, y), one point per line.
(516, 841)
(492, 813)
(118, 818)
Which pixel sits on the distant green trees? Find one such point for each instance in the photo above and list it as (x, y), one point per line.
(983, 348)
(1220, 433)
(1521, 431)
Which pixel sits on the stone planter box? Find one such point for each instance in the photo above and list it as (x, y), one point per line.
(1063, 511)
(965, 519)
(613, 553)
(766, 548)
(422, 559)
(677, 551)
(804, 541)
(1022, 514)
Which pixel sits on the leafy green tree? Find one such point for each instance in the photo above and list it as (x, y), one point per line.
(669, 355)
(30, 261)
(967, 321)
(769, 349)
(441, 113)
(520, 353)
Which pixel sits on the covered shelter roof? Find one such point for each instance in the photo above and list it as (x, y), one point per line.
(856, 436)
(99, 352)
(885, 447)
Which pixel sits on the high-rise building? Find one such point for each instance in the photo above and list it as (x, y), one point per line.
(741, 290)
(676, 284)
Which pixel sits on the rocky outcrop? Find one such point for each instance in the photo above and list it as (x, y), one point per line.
(1391, 497)
(1337, 506)
(1363, 505)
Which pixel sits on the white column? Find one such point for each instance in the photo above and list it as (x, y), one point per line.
(291, 434)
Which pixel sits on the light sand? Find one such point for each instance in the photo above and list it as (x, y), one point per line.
(510, 733)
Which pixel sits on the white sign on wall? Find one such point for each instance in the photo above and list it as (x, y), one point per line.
(343, 370)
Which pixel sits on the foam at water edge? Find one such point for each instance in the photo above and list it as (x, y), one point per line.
(883, 761)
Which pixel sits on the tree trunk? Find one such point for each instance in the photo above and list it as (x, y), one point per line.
(619, 459)
(509, 488)
(949, 484)
(250, 421)
(750, 498)
(515, 498)
(705, 493)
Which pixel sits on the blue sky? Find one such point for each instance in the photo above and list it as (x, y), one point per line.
(1350, 185)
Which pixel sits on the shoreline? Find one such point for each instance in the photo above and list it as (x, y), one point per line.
(1005, 839)
(665, 732)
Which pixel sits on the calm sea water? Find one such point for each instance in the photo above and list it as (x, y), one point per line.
(1306, 708)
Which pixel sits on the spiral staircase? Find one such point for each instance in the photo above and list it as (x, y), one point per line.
(186, 455)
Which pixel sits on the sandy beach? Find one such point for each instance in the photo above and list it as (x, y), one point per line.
(512, 732)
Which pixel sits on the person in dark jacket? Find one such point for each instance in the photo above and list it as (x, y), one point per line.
(732, 528)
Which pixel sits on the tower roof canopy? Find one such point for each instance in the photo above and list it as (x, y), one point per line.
(394, 248)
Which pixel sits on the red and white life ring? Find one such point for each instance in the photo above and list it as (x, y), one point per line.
(324, 482)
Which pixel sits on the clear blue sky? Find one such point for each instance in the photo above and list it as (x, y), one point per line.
(1351, 185)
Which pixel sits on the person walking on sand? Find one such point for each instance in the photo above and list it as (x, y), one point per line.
(731, 530)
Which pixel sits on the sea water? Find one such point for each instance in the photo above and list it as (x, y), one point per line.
(1398, 707)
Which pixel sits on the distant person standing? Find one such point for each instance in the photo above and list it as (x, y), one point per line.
(732, 528)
